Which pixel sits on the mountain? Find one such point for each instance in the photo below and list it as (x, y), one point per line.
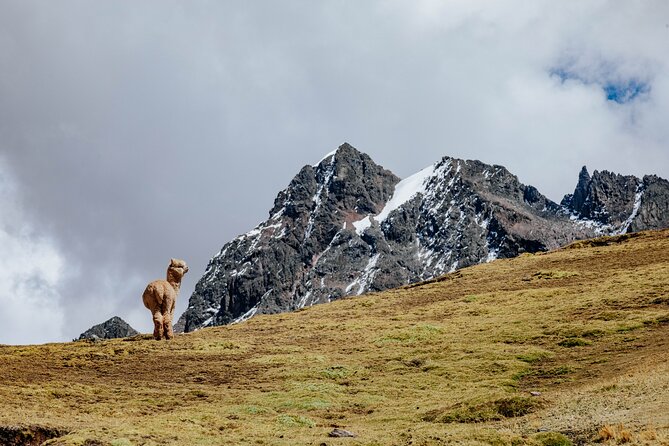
(113, 328)
(618, 203)
(347, 226)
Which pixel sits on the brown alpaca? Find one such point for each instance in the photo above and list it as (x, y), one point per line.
(160, 297)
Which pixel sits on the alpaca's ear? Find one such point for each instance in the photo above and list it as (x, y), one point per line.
(173, 262)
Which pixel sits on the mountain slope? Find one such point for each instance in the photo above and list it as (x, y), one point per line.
(347, 226)
(267, 270)
(445, 362)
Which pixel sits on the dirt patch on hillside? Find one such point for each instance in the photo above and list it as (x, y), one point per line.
(28, 435)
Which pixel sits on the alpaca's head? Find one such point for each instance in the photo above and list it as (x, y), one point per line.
(177, 269)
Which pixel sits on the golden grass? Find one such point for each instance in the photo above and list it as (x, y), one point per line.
(449, 361)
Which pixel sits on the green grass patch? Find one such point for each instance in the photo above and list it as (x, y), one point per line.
(254, 410)
(500, 409)
(295, 421)
(307, 404)
(534, 357)
(544, 373)
(573, 342)
(552, 439)
(628, 328)
(336, 372)
(423, 332)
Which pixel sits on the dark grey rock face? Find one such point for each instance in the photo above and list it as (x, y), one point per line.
(267, 270)
(617, 204)
(113, 328)
(347, 226)
(651, 205)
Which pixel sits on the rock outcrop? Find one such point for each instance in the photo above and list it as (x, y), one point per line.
(620, 203)
(113, 328)
(347, 226)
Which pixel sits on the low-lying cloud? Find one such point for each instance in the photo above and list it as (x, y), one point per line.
(31, 271)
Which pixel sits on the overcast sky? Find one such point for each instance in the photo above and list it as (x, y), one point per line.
(136, 131)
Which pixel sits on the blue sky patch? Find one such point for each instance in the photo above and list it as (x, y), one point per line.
(621, 92)
(563, 74)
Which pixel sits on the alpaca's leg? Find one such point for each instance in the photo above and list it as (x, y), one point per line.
(167, 326)
(157, 325)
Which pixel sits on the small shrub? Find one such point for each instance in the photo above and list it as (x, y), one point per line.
(609, 387)
(198, 394)
(649, 435)
(607, 433)
(489, 411)
(336, 372)
(593, 333)
(553, 439)
(533, 357)
(255, 410)
(573, 342)
(544, 373)
(628, 328)
(471, 298)
(415, 362)
(615, 433)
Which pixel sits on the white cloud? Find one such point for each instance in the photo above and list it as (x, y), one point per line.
(31, 269)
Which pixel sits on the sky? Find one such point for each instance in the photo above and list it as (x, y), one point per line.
(134, 132)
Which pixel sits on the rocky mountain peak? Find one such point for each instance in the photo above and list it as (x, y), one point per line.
(110, 329)
(607, 200)
(576, 200)
(346, 226)
(266, 268)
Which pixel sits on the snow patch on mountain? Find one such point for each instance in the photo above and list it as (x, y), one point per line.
(328, 155)
(318, 196)
(366, 277)
(405, 190)
(246, 316)
(635, 210)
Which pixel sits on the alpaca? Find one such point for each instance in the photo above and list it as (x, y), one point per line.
(160, 297)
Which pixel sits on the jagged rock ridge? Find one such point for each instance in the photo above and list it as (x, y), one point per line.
(618, 203)
(110, 329)
(347, 226)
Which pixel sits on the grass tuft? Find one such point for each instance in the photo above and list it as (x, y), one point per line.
(295, 421)
(513, 407)
(552, 439)
(573, 342)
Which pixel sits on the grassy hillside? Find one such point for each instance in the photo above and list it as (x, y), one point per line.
(450, 361)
